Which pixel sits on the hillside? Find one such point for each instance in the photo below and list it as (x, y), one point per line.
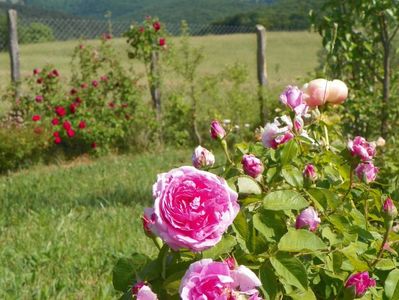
(173, 11)
(277, 16)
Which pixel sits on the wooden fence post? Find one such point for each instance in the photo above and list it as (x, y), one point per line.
(14, 49)
(261, 69)
(155, 83)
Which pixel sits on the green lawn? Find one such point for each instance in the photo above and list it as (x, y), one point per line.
(290, 55)
(63, 227)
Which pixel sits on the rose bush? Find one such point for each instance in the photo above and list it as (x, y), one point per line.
(313, 222)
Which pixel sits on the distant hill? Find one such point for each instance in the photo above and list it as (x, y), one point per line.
(281, 15)
(171, 11)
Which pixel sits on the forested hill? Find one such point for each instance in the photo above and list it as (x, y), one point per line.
(281, 15)
(173, 11)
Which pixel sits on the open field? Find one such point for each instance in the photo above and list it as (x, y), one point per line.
(290, 55)
(62, 228)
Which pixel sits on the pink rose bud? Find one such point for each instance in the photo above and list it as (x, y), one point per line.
(292, 97)
(316, 92)
(389, 209)
(298, 124)
(277, 133)
(310, 172)
(338, 92)
(366, 172)
(148, 220)
(192, 208)
(244, 279)
(94, 83)
(308, 219)
(39, 98)
(162, 42)
(231, 262)
(361, 148)
(202, 158)
(358, 284)
(217, 131)
(252, 165)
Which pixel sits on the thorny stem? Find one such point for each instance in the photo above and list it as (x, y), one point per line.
(226, 152)
(388, 229)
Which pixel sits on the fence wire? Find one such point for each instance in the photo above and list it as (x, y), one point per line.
(37, 30)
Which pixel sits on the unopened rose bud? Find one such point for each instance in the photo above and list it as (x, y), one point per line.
(252, 165)
(202, 158)
(308, 219)
(310, 172)
(389, 210)
(148, 220)
(217, 131)
(380, 142)
(292, 97)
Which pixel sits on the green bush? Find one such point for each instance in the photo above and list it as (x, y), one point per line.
(35, 33)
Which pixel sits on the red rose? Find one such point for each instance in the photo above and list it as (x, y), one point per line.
(78, 100)
(36, 118)
(55, 121)
(39, 81)
(82, 124)
(57, 140)
(104, 78)
(73, 91)
(60, 110)
(156, 26)
(72, 108)
(93, 145)
(55, 73)
(162, 42)
(39, 98)
(111, 105)
(84, 85)
(56, 134)
(141, 29)
(71, 133)
(94, 83)
(36, 71)
(67, 125)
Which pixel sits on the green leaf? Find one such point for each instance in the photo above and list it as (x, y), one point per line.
(224, 246)
(247, 185)
(302, 295)
(289, 152)
(301, 240)
(270, 224)
(391, 287)
(284, 200)
(125, 270)
(240, 225)
(324, 198)
(385, 264)
(291, 269)
(293, 176)
(269, 281)
(172, 283)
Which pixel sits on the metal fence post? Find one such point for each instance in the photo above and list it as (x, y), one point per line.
(261, 69)
(14, 49)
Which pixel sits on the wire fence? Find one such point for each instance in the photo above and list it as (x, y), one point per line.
(37, 30)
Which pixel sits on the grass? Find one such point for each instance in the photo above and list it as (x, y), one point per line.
(62, 228)
(290, 55)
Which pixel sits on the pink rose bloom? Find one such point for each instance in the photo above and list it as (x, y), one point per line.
(143, 292)
(309, 219)
(252, 165)
(277, 133)
(310, 172)
(192, 208)
(360, 283)
(316, 92)
(217, 131)
(361, 148)
(389, 209)
(39, 98)
(206, 279)
(366, 172)
(292, 97)
(202, 158)
(338, 92)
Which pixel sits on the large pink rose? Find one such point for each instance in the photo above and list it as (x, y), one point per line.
(192, 208)
(207, 279)
(361, 148)
(359, 283)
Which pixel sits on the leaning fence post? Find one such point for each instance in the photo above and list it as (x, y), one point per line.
(261, 69)
(155, 83)
(14, 49)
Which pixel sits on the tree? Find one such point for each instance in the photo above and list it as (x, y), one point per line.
(358, 36)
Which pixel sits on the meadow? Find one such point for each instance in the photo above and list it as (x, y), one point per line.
(62, 227)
